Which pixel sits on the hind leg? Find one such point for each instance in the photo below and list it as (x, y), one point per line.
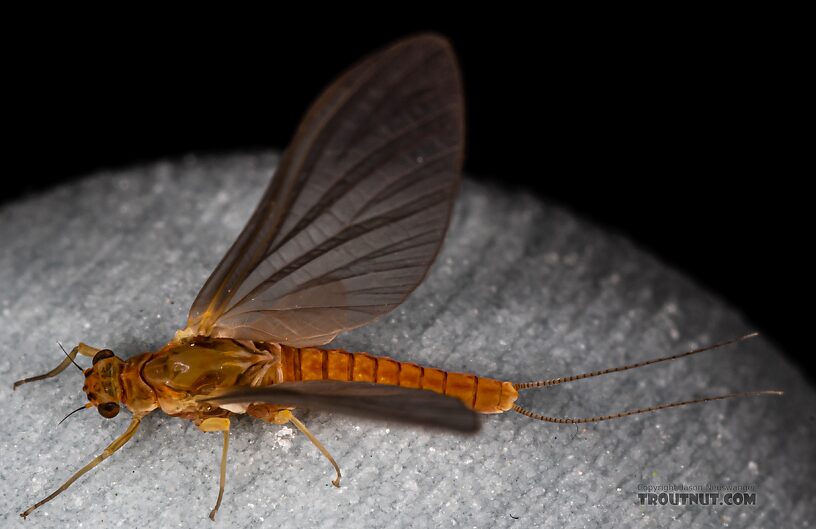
(218, 424)
(277, 415)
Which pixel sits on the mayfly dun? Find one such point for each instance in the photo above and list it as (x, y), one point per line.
(348, 227)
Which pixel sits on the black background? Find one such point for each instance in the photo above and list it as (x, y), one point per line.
(679, 130)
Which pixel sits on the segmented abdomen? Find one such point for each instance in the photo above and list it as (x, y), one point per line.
(485, 395)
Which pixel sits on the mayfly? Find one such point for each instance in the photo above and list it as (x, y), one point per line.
(348, 227)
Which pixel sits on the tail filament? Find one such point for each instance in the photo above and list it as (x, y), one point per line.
(562, 380)
(582, 420)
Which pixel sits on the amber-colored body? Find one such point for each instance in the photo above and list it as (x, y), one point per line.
(348, 227)
(179, 375)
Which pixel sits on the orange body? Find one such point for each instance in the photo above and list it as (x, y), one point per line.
(177, 376)
(348, 227)
(484, 395)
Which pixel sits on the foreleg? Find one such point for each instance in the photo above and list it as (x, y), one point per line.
(83, 349)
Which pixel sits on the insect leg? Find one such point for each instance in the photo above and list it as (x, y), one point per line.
(284, 416)
(82, 349)
(216, 424)
(118, 443)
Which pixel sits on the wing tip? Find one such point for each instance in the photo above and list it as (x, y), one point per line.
(429, 42)
(427, 38)
(470, 425)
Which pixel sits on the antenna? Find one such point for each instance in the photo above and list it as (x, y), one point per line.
(86, 406)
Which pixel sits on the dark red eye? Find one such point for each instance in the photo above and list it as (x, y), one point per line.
(108, 410)
(101, 355)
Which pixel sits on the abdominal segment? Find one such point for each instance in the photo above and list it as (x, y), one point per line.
(484, 395)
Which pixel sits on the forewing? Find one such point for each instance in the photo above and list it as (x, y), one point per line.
(363, 399)
(357, 209)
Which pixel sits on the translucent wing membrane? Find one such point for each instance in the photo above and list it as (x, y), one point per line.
(357, 209)
(363, 399)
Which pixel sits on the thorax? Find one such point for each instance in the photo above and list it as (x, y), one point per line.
(181, 372)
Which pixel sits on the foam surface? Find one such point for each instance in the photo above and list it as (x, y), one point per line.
(522, 290)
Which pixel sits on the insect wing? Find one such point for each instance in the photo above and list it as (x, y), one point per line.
(357, 209)
(362, 399)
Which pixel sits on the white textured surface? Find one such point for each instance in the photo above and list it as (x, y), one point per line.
(522, 290)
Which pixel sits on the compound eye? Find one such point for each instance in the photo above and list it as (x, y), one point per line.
(108, 410)
(101, 355)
